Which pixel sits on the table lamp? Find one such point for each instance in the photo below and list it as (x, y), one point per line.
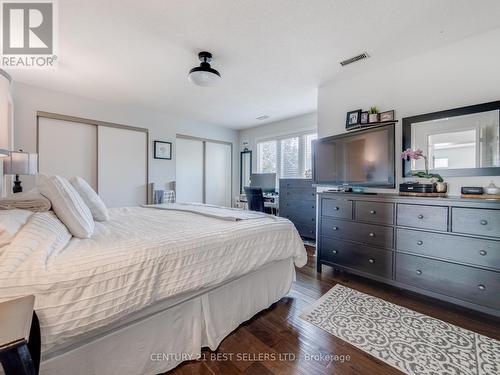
(20, 163)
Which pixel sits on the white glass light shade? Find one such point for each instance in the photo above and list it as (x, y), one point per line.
(203, 78)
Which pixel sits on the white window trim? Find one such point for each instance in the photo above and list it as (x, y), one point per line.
(278, 138)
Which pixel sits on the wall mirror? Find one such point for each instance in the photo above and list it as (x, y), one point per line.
(245, 169)
(458, 142)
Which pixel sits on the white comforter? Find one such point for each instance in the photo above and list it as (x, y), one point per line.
(139, 257)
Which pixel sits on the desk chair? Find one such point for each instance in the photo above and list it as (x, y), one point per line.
(255, 199)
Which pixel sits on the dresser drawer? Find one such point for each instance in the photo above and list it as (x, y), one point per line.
(297, 216)
(340, 208)
(462, 282)
(478, 221)
(366, 233)
(378, 212)
(306, 206)
(306, 230)
(363, 258)
(420, 216)
(293, 195)
(474, 251)
(295, 183)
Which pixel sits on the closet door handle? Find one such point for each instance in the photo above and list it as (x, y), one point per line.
(420, 242)
(334, 251)
(336, 208)
(371, 234)
(483, 252)
(481, 287)
(420, 216)
(335, 228)
(373, 212)
(419, 272)
(484, 222)
(371, 260)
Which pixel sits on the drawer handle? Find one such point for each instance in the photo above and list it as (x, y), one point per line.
(420, 243)
(371, 260)
(373, 212)
(334, 251)
(311, 231)
(420, 216)
(372, 234)
(419, 272)
(313, 207)
(312, 219)
(484, 222)
(483, 252)
(336, 208)
(288, 204)
(481, 287)
(335, 228)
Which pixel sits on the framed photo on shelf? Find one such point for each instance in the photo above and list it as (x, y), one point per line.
(364, 118)
(387, 116)
(353, 118)
(162, 150)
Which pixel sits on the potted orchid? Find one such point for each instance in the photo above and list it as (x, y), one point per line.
(435, 178)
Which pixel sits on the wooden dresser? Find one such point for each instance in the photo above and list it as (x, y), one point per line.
(298, 204)
(447, 248)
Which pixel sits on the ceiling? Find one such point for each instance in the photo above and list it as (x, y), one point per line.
(272, 54)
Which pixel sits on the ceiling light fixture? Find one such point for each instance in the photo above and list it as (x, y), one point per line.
(204, 75)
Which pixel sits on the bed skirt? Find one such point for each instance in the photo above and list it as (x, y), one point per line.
(160, 342)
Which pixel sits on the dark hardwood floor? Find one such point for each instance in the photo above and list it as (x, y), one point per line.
(278, 341)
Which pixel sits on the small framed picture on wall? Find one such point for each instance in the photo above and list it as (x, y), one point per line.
(353, 118)
(163, 150)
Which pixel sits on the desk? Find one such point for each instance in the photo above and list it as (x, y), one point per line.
(270, 200)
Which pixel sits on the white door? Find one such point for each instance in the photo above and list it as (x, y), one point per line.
(189, 155)
(218, 174)
(67, 149)
(122, 166)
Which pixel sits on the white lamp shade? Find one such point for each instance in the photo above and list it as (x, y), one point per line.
(22, 163)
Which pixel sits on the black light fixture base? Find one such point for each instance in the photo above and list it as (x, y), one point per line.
(17, 188)
(205, 56)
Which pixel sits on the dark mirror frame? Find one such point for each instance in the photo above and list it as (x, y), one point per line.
(463, 172)
(241, 167)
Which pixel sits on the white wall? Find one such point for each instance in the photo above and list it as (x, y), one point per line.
(291, 125)
(162, 126)
(460, 74)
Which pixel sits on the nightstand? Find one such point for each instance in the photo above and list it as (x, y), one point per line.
(18, 326)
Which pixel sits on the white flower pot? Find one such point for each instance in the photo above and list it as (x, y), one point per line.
(373, 117)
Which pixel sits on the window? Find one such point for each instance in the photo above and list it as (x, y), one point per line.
(288, 156)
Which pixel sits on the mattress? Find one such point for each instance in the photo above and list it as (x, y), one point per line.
(142, 256)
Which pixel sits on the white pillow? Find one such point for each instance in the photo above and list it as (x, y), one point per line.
(67, 204)
(91, 199)
(10, 223)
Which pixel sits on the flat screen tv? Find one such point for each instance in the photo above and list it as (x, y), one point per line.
(361, 158)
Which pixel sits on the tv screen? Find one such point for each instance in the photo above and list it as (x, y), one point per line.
(361, 158)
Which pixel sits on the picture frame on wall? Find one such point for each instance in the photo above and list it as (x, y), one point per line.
(364, 117)
(162, 150)
(353, 118)
(387, 116)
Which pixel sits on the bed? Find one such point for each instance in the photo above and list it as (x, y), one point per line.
(150, 288)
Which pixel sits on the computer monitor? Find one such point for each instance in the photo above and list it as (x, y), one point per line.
(266, 181)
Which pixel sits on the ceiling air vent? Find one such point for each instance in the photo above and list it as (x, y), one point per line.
(362, 56)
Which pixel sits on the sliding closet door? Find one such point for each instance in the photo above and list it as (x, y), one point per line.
(189, 170)
(218, 174)
(67, 149)
(122, 166)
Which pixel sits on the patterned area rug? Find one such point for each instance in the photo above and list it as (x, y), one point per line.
(412, 342)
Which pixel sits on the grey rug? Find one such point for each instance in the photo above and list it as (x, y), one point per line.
(412, 342)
